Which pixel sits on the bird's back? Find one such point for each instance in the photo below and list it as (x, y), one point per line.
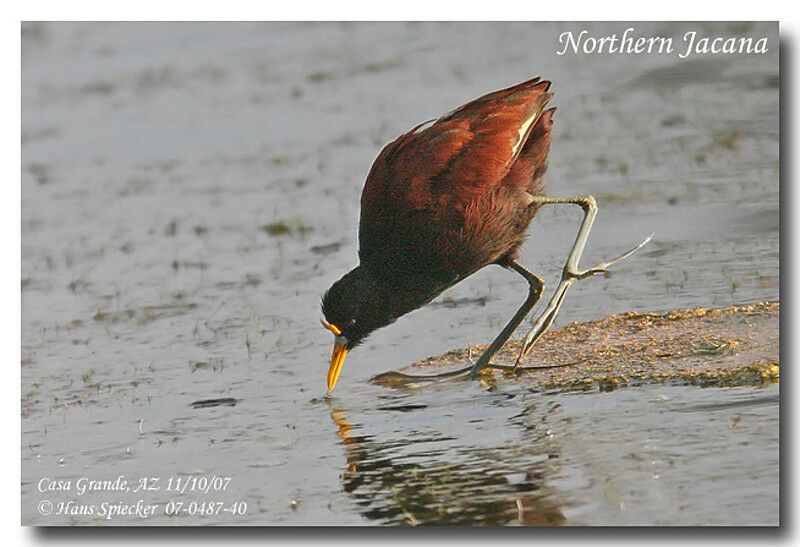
(444, 201)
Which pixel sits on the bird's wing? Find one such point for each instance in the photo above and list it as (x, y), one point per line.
(501, 123)
(459, 157)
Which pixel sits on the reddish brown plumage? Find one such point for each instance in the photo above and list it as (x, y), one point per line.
(442, 202)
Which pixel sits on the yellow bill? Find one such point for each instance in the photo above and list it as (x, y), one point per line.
(337, 360)
(339, 353)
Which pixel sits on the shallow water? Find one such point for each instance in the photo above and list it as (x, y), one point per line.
(189, 191)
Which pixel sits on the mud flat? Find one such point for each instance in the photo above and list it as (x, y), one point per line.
(737, 345)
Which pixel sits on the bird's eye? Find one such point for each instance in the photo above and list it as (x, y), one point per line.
(351, 323)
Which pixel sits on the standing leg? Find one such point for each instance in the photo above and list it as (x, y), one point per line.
(571, 271)
(535, 288)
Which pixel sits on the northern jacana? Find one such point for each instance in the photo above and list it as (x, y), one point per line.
(443, 201)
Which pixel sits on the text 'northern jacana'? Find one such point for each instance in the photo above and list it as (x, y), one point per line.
(442, 202)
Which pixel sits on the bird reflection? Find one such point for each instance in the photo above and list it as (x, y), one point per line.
(486, 489)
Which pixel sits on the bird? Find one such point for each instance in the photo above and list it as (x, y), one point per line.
(441, 202)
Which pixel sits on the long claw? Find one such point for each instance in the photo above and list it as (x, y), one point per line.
(603, 268)
(626, 254)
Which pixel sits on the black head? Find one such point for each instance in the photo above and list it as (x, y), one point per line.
(355, 306)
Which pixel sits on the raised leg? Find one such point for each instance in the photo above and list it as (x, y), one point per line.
(571, 271)
(536, 286)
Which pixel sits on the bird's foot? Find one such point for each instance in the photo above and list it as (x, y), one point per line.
(394, 377)
(518, 370)
(603, 268)
(590, 273)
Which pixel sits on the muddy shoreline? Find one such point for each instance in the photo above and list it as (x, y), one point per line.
(732, 346)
